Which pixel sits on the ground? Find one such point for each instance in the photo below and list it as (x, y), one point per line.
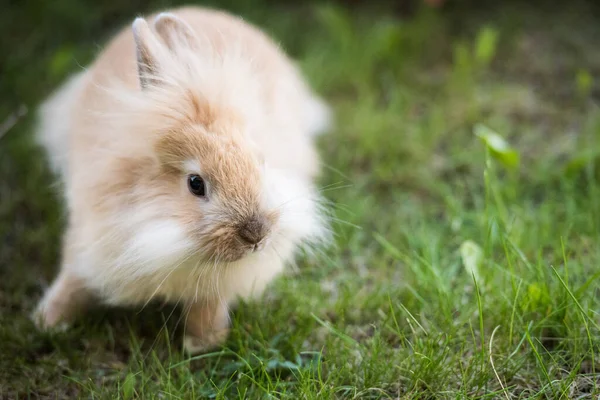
(463, 178)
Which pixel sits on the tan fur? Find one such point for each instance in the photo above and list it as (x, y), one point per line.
(195, 91)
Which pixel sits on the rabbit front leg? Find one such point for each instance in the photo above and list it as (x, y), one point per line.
(207, 326)
(66, 298)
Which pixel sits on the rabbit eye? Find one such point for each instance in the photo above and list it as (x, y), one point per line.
(196, 185)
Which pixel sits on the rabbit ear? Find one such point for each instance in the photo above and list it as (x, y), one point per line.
(147, 50)
(175, 32)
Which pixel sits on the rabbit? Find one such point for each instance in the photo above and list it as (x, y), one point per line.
(187, 160)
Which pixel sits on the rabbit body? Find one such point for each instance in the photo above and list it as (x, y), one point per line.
(186, 156)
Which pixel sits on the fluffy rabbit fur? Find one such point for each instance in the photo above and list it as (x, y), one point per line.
(195, 92)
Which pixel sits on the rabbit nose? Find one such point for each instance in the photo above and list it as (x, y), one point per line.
(254, 230)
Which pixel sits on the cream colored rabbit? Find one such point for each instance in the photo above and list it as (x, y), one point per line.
(187, 161)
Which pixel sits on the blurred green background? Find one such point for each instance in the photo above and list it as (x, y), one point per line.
(463, 177)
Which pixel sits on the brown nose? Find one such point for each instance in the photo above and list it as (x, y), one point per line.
(254, 230)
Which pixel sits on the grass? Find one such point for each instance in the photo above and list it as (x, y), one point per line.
(465, 266)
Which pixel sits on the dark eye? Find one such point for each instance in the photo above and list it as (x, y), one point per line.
(196, 185)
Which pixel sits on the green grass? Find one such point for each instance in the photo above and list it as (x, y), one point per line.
(462, 269)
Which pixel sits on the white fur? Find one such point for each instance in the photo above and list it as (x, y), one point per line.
(319, 116)
(54, 123)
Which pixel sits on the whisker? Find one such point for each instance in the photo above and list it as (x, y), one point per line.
(197, 282)
(164, 325)
(172, 269)
(337, 171)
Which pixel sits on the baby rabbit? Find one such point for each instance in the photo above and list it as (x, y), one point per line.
(187, 160)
